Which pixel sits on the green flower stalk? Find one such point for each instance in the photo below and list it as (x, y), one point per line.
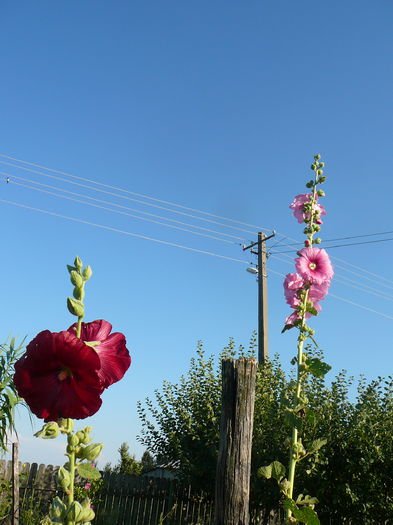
(303, 291)
(61, 377)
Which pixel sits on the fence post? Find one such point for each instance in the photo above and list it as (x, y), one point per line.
(15, 483)
(234, 456)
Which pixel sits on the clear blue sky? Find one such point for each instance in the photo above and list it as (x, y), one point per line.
(218, 106)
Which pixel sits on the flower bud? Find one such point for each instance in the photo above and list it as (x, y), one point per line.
(73, 440)
(87, 273)
(307, 243)
(321, 193)
(313, 167)
(75, 307)
(74, 512)
(91, 452)
(78, 293)
(49, 431)
(57, 509)
(317, 157)
(64, 478)
(78, 263)
(87, 514)
(321, 164)
(318, 240)
(322, 179)
(320, 172)
(76, 278)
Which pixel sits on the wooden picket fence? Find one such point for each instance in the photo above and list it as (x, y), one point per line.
(124, 500)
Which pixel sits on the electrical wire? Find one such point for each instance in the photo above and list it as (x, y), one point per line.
(9, 178)
(342, 245)
(123, 213)
(335, 258)
(117, 230)
(345, 238)
(91, 181)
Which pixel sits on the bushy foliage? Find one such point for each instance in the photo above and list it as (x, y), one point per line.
(352, 475)
(181, 426)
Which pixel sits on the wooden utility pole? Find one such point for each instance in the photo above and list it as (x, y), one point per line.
(263, 344)
(234, 456)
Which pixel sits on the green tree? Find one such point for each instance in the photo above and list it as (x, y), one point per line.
(352, 475)
(182, 425)
(127, 463)
(147, 461)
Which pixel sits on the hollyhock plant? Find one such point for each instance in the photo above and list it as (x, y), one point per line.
(61, 377)
(303, 292)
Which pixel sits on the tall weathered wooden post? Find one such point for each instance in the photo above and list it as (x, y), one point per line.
(234, 456)
(15, 483)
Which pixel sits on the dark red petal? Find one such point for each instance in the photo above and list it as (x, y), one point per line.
(38, 381)
(94, 331)
(115, 359)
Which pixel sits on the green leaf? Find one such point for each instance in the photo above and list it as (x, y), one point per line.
(316, 445)
(293, 420)
(275, 470)
(306, 500)
(305, 515)
(86, 470)
(317, 367)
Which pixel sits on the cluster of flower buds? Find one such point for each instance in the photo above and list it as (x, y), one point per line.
(78, 277)
(71, 514)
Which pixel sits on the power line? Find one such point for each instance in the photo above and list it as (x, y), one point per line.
(91, 181)
(123, 213)
(342, 245)
(344, 238)
(10, 178)
(378, 276)
(117, 230)
(126, 197)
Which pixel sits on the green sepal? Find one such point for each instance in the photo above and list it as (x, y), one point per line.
(87, 273)
(78, 293)
(74, 512)
(317, 367)
(76, 278)
(275, 470)
(78, 263)
(306, 500)
(70, 268)
(49, 431)
(92, 451)
(57, 510)
(87, 471)
(287, 327)
(64, 478)
(75, 307)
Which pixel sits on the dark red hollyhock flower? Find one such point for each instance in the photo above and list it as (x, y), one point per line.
(111, 349)
(58, 377)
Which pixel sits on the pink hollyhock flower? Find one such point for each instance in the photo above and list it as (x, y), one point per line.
(110, 348)
(87, 486)
(292, 283)
(314, 265)
(58, 377)
(298, 204)
(290, 320)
